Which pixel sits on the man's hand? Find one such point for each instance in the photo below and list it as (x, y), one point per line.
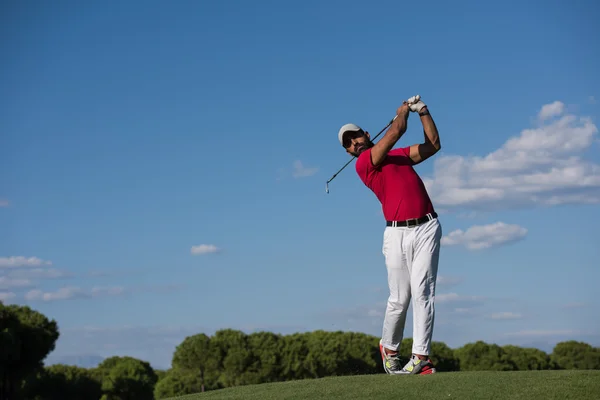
(402, 114)
(403, 110)
(415, 103)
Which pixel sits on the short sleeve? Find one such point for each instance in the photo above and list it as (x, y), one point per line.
(365, 169)
(363, 164)
(401, 151)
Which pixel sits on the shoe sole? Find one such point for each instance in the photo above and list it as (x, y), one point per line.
(427, 372)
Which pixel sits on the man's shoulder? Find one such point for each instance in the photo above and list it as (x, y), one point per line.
(363, 162)
(365, 166)
(364, 159)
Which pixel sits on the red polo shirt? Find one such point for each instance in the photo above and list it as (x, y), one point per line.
(396, 184)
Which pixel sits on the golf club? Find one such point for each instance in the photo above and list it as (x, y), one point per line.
(353, 157)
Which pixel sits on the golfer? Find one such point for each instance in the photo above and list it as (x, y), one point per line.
(411, 239)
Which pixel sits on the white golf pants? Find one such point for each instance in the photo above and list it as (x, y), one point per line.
(411, 259)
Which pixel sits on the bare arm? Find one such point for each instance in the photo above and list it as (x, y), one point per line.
(393, 134)
(431, 144)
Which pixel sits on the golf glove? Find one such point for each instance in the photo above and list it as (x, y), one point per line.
(415, 104)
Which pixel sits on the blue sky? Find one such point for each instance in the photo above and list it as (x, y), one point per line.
(164, 166)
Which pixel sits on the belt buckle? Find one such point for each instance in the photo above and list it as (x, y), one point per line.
(408, 222)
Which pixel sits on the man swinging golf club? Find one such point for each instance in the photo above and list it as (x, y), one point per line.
(411, 239)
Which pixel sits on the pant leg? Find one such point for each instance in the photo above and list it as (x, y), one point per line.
(424, 268)
(396, 262)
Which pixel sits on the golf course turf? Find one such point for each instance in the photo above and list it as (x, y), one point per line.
(530, 385)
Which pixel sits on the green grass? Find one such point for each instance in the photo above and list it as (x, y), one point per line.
(530, 385)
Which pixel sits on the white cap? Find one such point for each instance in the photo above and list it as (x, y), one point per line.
(346, 128)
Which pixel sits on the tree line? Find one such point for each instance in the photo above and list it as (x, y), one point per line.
(233, 358)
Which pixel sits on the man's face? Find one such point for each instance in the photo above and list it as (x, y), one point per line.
(355, 142)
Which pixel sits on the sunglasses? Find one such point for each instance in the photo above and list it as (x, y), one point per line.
(348, 136)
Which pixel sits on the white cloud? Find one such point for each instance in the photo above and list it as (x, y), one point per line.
(7, 282)
(464, 310)
(506, 315)
(456, 298)
(540, 166)
(20, 261)
(107, 291)
(448, 280)
(38, 273)
(485, 236)
(551, 110)
(300, 171)
(76, 292)
(6, 296)
(72, 292)
(375, 313)
(205, 249)
(4, 203)
(60, 294)
(364, 313)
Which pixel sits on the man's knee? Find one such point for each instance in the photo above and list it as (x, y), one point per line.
(423, 301)
(398, 306)
(424, 294)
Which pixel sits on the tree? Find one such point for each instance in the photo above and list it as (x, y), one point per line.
(265, 358)
(325, 353)
(160, 373)
(294, 357)
(341, 353)
(575, 355)
(127, 378)
(195, 355)
(65, 382)
(362, 354)
(480, 356)
(233, 356)
(177, 382)
(9, 350)
(443, 357)
(528, 358)
(27, 338)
